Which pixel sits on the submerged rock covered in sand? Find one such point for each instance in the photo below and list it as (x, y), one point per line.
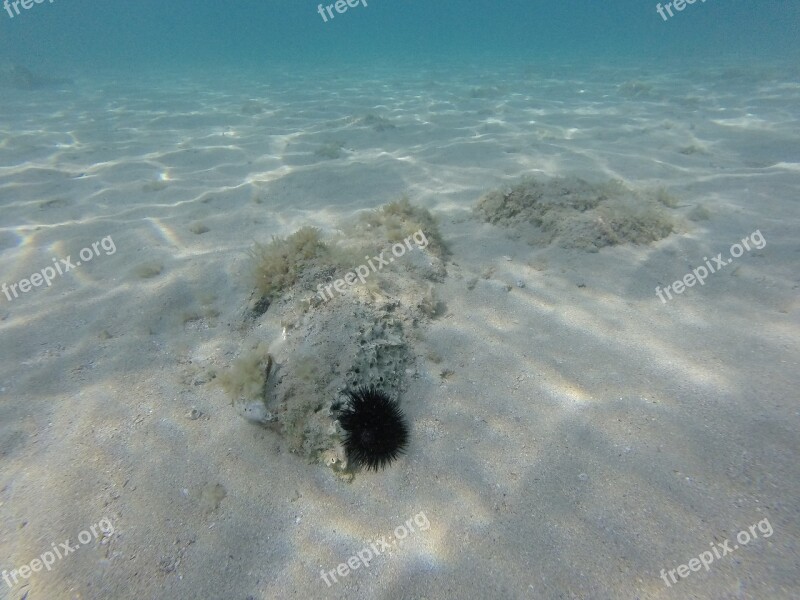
(335, 337)
(573, 213)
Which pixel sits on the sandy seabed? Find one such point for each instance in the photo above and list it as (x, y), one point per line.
(571, 434)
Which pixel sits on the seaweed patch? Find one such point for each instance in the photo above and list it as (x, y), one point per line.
(573, 213)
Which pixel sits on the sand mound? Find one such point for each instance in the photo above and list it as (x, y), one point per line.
(334, 337)
(574, 213)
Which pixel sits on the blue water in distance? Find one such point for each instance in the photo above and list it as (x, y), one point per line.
(79, 35)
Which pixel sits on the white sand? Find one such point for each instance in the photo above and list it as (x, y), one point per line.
(588, 436)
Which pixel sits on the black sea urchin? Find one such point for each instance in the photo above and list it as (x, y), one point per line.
(375, 428)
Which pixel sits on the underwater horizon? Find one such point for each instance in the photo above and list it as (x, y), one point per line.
(399, 300)
(79, 37)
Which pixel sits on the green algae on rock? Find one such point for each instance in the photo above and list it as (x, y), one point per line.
(573, 213)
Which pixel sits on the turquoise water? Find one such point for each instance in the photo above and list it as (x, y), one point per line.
(180, 181)
(80, 35)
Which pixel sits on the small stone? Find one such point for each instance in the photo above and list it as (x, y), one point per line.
(520, 283)
(583, 477)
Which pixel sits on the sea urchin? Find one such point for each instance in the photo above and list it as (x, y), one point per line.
(375, 428)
